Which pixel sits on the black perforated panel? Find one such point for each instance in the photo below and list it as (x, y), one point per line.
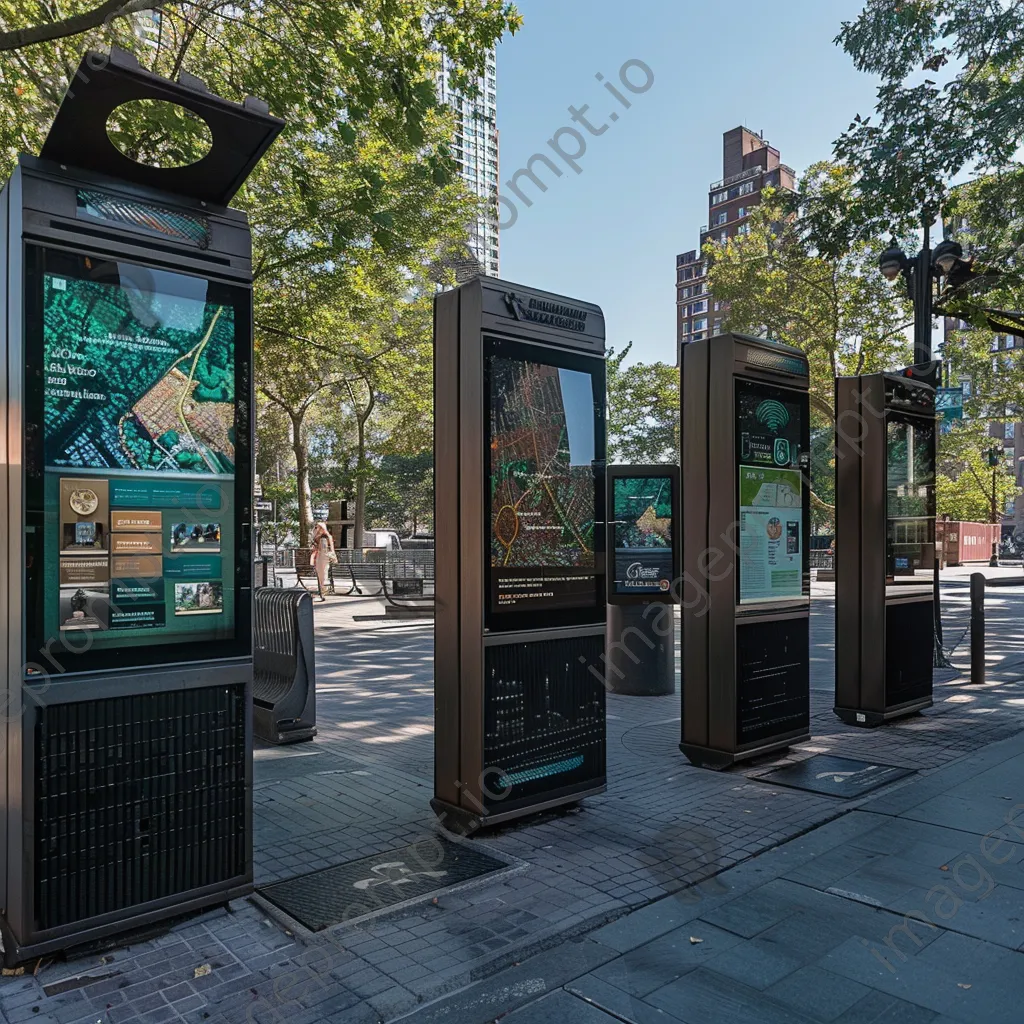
(772, 679)
(136, 799)
(544, 717)
(908, 652)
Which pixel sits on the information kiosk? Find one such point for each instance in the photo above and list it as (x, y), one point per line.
(643, 546)
(519, 443)
(885, 545)
(127, 491)
(745, 588)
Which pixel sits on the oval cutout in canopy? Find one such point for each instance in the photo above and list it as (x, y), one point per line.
(159, 133)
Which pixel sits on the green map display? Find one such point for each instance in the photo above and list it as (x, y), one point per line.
(137, 379)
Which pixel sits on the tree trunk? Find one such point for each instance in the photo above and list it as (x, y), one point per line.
(305, 494)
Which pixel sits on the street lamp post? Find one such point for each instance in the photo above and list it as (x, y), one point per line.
(993, 460)
(921, 274)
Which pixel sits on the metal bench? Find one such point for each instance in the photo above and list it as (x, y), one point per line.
(284, 669)
(362, 572)
(403, 595)
(304, 573)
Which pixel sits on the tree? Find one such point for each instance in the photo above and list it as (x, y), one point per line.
(950, 97)
(780, 280)
(402, 495)
(643, 410)
(964, 483)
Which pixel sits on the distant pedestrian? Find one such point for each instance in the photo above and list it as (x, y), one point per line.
(321, 555)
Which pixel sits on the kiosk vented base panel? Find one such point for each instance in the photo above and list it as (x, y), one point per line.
(772, 679)
(544, 716)
(909, 639)
(137, 799)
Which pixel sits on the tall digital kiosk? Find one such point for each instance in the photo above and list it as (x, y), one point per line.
(519, 442)
(745, 587)
(643, 563)
(885, 545)
(127, 492)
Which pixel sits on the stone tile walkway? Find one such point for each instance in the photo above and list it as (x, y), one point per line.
(363, 787)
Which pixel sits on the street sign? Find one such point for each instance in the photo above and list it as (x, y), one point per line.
(257, 486)
(949, 407)
(265, 510)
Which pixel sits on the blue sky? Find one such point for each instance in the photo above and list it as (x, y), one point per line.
(611, 233)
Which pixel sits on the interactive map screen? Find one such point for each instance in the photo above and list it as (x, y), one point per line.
(773, 513)
(132, 379)
(641, 539)
(545, 446)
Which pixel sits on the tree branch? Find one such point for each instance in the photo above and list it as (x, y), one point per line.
(77, 24)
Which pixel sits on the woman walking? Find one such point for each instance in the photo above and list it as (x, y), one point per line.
(321, 555)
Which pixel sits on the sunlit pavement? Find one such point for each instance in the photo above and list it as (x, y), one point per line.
(363, 787)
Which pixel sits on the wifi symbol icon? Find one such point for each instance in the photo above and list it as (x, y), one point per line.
(772, 414)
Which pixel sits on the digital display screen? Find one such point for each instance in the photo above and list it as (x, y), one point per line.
(545, 435)
(910, 495)
(770, 429)
(135, 499)
(641, 537)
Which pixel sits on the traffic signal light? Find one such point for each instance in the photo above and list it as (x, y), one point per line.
(929, 373)
(993, 457)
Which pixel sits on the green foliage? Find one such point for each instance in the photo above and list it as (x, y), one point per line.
(401, 496)
(643, 411)
(964, 481)
(781, 282)
(950, 97)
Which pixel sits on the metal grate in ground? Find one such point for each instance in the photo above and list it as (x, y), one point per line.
(835, 776)
(353, 891)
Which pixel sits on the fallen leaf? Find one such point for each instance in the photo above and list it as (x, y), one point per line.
(945, 867)
(694, 940)
(201, 971)
(960, 984)
(12, 972)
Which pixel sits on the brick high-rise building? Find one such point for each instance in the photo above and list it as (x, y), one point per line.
(749, 164)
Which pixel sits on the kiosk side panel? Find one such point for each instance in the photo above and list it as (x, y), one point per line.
(5, 573)
(873, 640)
(472, 579)
(849, 437)
(693, 596)
(719, 581)
(446, 547)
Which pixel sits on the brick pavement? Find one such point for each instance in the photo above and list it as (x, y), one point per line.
(362, 787)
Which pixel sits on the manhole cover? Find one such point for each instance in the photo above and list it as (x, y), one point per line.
(354, 890)
(834, 776)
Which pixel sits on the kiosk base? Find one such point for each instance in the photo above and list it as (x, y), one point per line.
(870, 719)
(463, 822)
(76, 935)
(707, 757)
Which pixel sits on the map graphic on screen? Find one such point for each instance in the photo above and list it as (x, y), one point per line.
(542, 480)
(642, 534)
(137, 378)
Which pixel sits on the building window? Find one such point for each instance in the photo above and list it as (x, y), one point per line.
(717, 329)
(745, 189)
(721, 218)
(701, 324)
(720, 197)
(723, 237)
(743, 229)
(1010, 429)
(699, 336)
(700, 307)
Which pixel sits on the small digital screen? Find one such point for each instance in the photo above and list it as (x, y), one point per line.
(543, 440)
(641, 538)
(137, 490)
(770, 429)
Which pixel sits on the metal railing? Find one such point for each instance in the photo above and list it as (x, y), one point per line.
(750, 172)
